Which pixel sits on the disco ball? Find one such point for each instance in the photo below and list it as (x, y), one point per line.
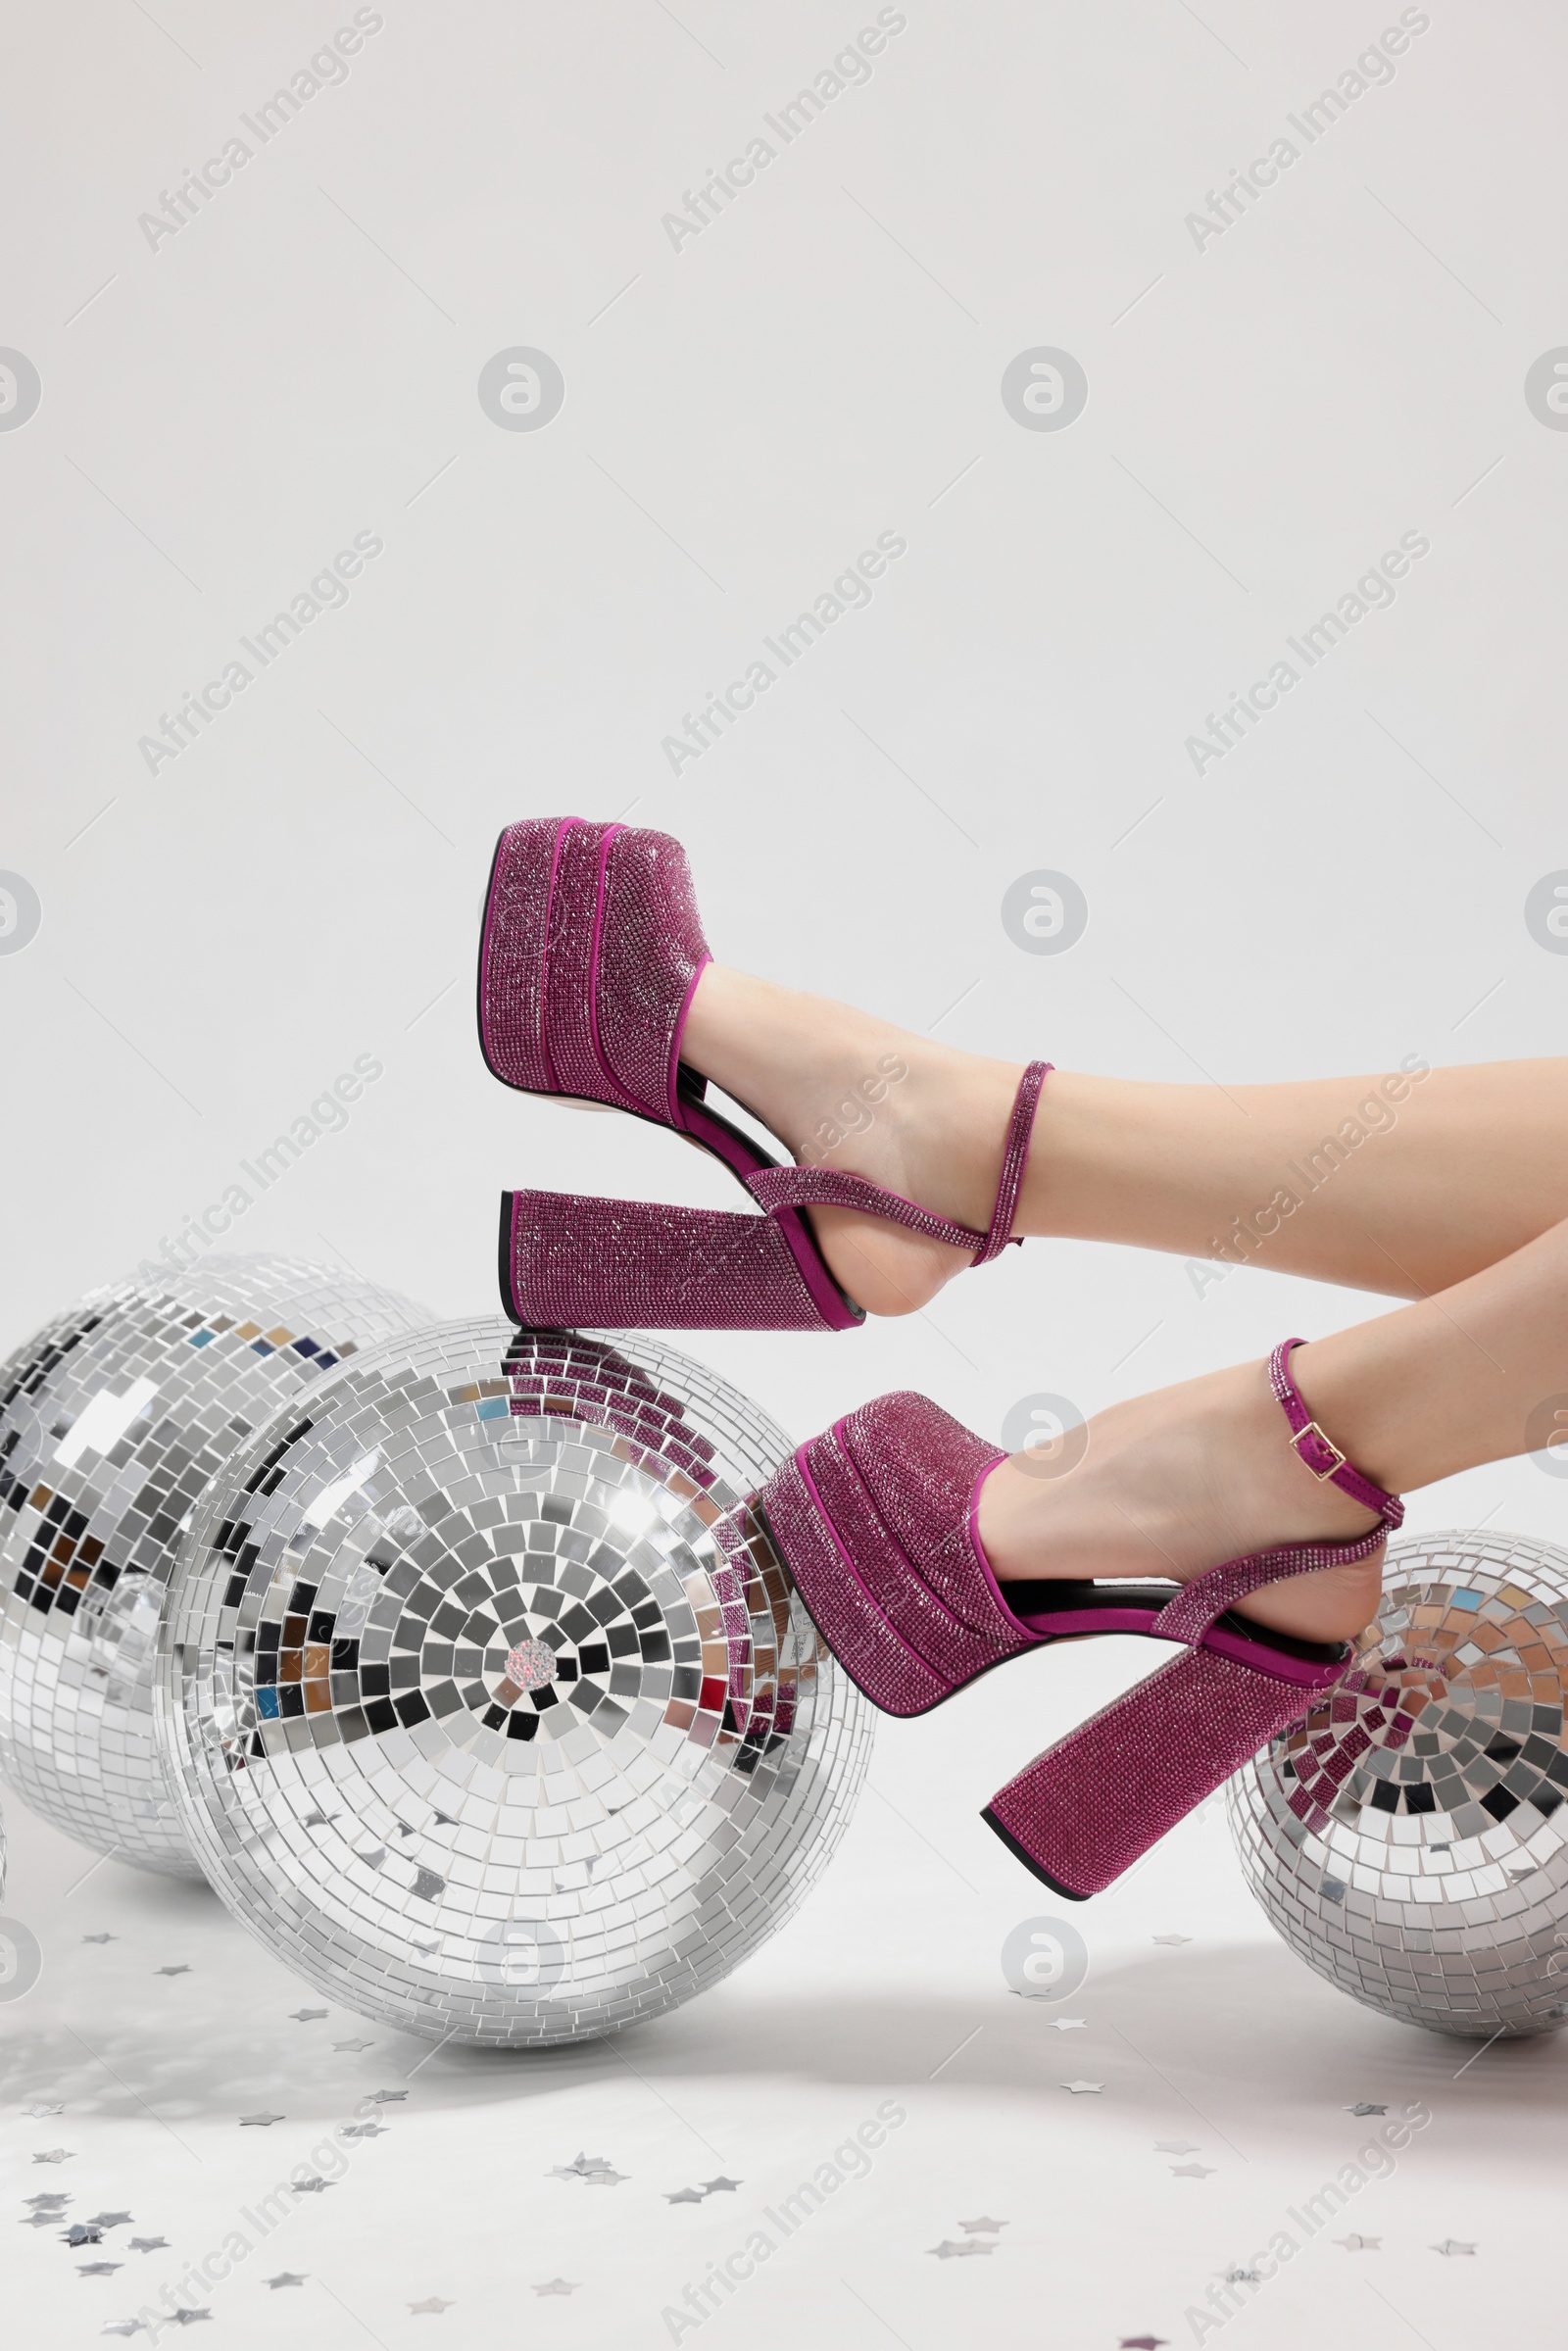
(112, 1421)
(1406, 1838)
(491, 1709)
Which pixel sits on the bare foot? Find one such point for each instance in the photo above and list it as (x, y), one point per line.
(843, 1089)
(1174, 1483)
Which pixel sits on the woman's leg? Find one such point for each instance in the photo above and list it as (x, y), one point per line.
(1402, 1183)
(1173, 1483)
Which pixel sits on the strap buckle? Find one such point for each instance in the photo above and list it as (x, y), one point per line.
(1325, 1446)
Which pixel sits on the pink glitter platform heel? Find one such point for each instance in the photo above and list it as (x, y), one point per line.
(591, 951)
(1092, 1805)
(877, 1521)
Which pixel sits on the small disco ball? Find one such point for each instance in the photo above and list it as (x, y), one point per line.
(1406, 1838)
(491, 1709)
(112, 1421)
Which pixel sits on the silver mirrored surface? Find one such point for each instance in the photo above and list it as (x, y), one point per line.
(112, 1421)
(492, 1710)
(1408, 1838)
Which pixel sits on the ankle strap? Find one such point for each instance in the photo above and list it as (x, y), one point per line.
(1189, 1614)
(1014, 1159)
(775, 1188)
(1317, 1453)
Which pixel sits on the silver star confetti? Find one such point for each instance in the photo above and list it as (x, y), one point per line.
(81, 2233)
(147, 2245)
(983, 2227)
(1067, 2024)
(683, 2195)
(51, 2196)
(189, 2318)
(1360, 2244)
(288, 2277)
(1174, 2146)
(354, 2045)
(261, 2122)
(111, 2220)
(54, 2154)
(362, 2131)
(181, 1970)
(39, 2114)
(1173, 1941)
(385, 2097)
(1083, 2089)
(596, 2171)
(1191, 2170)
(316, 2185)
(307, 2016)
(1144, 2342)
(723, 2186)
(104, 1939)
(98, 2269)
(556, 2286)
(1365, 2106)
(964, 2248)
(121, 2327)
(1451, 2245)
(433, 2303)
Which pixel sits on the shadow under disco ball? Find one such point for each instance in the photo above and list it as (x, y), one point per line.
(486, 1713)
(112, 1421)
(1408, 1840)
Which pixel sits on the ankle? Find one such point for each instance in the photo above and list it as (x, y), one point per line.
(846, 1088)
(1167, 1486)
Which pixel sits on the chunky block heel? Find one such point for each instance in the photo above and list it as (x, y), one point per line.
(568, 1263)
(1092, 1805)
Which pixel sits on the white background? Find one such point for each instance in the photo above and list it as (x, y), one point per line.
(220, 938)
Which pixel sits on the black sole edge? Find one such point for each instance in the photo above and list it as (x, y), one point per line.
(509, 1303)
(485, 932)
(1029, 1862)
